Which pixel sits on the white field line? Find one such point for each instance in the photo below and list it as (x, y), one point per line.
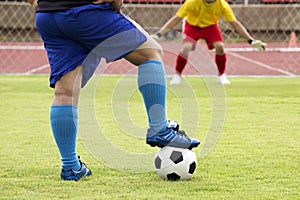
(228, 50)
(261, 64)
(274, 49)
(16, 47)
(37, 69)
(246, 49)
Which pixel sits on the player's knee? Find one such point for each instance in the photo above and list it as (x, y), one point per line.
(61, 92)
(65, 95)
(186, 48)
(154, 54)
(185, 51)
(140, 56)
(156, 49)
(158, 53)
(219, 47)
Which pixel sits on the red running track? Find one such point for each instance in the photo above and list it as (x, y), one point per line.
(242, 60)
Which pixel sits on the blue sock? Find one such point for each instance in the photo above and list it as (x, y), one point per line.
(64, 120)
(152, 85)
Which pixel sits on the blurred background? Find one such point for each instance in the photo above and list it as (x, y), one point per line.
(276, 22)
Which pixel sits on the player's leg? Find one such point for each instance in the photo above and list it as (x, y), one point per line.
(151, 81)
(64, 123)
(67, 88)
(65, 77)
(220, 59)
(152, 85)
(188, 44)
(181, 61)
(214, 40)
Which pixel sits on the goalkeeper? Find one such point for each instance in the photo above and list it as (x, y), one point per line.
(201, 22)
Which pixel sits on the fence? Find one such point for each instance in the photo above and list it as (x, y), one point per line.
(271, 22)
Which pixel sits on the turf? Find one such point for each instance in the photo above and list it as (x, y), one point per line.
(256, 156)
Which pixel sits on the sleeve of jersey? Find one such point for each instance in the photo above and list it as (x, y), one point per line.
(184, 9)
(228, 13)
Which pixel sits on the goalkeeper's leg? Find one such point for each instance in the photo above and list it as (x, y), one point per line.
(220, 59)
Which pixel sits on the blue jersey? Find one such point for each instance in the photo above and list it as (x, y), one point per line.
(84, 35)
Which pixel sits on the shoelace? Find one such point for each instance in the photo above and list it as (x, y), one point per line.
(79, 159)
(182, 132)
(81, 163)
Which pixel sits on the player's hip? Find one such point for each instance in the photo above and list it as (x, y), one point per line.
(79, 37)
(83, 24)
(210, 34)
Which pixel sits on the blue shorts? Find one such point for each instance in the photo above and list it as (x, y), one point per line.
(84, 35)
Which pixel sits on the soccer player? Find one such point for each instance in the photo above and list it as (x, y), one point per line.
(200, 19)
(77, 34)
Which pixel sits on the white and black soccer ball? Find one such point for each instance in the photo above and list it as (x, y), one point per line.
(175, 163)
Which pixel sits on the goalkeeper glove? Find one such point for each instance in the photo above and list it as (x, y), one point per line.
(261, 46)
(156, 36)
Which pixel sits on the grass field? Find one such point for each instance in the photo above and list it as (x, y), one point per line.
(256, 157)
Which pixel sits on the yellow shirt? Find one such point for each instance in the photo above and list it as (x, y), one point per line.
(199, 13)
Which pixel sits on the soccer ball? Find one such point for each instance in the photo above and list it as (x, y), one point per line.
(175, 163)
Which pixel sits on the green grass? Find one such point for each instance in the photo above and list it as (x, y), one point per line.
(257, 155)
